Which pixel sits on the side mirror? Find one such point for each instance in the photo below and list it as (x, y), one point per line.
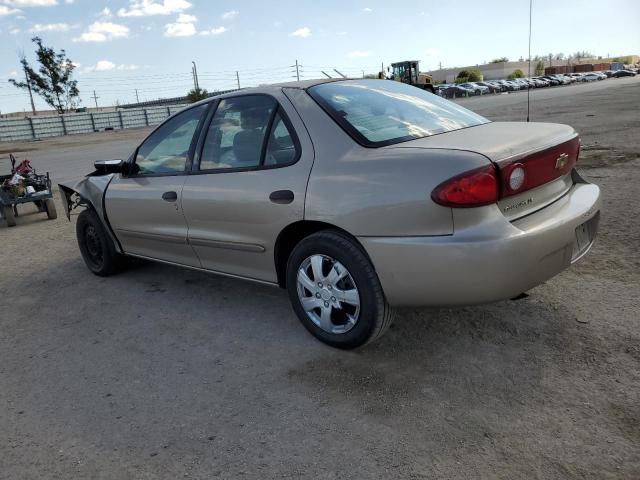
(104, 167)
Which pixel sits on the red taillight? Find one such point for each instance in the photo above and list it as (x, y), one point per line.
(471, 189)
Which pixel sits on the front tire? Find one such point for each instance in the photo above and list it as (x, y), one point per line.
(96, 246)
(335, 291)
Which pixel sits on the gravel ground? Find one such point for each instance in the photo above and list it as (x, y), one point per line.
(165, 373)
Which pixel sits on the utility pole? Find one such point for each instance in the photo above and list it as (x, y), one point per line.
(238, 79)
(194, 71)
(137, 98)
(440, 65)
(362, 73)
(33, 106)
(297, 71)
(95, 98)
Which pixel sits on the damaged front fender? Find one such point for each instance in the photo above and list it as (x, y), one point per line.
(88, 193)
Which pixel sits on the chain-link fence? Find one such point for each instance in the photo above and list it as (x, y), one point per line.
(34, 128)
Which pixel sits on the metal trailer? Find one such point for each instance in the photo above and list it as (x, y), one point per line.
(42, 197)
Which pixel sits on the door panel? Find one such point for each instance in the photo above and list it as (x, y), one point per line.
(233, 223)
(147, 225)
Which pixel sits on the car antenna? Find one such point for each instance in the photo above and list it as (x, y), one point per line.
(529, 72)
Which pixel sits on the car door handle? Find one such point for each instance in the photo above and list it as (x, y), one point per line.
(281, 196)
(170, 196)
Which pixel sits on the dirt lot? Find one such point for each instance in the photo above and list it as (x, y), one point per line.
(167, 373)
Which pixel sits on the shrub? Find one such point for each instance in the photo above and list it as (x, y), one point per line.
(197, 94)
(471, 75)
(517, 73)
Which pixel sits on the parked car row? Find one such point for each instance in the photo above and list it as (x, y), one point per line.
(450, 90)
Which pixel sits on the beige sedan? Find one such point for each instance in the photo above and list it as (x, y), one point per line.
(355, 195)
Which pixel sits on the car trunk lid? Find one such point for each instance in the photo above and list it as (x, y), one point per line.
(540, 155)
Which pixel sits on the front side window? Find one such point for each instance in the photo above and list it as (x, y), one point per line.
(166, 150)
(237, 132)
(382, 112)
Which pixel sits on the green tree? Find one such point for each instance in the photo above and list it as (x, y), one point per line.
(499, 60)
(517, 73)
(540, 67)
(53, 81)
(471, 75)
(197, 94)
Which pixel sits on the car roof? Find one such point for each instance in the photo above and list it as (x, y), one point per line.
(266, 89)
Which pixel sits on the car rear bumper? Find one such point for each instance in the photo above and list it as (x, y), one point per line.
(488, 258)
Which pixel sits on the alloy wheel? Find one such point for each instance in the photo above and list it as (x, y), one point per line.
(328, 294)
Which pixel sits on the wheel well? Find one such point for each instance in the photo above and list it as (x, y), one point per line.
(292, 234)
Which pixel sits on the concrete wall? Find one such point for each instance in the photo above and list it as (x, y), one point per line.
(34, 128)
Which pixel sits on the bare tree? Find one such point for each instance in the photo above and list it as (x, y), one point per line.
(53, 79)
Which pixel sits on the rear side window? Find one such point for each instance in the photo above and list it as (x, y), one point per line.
(281, 148)
(237, 132)
(167, 148)
(383, 112)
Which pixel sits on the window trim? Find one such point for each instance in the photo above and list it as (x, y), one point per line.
(189, 161)
(195, 167)
(358, 137)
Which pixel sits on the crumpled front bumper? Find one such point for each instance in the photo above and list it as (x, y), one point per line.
(488, 258)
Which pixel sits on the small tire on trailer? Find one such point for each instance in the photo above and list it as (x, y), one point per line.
(39, 205)
(9, 215)
(50, 207)
(96, 246)
(335, 291)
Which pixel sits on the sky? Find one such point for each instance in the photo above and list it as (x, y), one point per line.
(123, 45)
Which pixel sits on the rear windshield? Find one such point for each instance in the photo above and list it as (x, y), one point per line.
(382, 112)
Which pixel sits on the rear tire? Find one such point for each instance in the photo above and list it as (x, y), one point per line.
(344, 305)
(50, 207)
(9, 215)
(96, 246)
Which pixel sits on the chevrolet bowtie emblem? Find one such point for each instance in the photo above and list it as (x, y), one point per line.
(561, 161)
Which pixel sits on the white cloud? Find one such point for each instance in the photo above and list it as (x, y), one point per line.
(179, 30)
(102, 32)
(432, 52)
(145, 8)
(14, 31)
(303, 32)
(107, 65)
(50, 27)
(230, 15)
(4, 10)
(184, 26)
(358, 54)
(103, 66)
(214, 31)
(105, 13)
(30, 3)
(367, 10)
